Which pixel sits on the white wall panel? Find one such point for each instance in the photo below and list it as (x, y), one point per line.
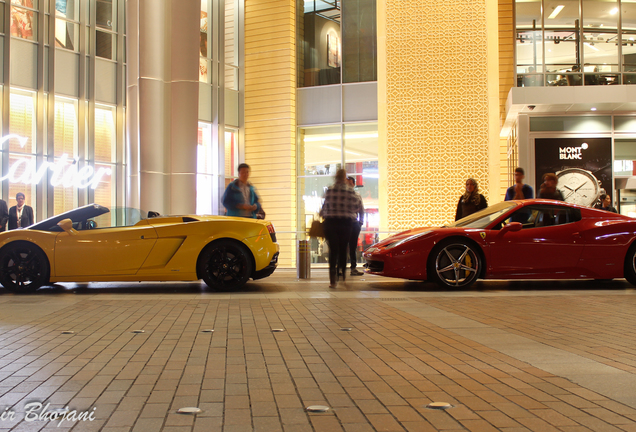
(24, 62)
(360, 101)
(318, 105)
(67, 73)
(105, 81)
(205, 102)
(231, 108)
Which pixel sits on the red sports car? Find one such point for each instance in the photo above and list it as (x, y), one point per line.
(529, 239)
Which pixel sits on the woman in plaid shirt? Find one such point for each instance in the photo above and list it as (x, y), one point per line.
(339, 210)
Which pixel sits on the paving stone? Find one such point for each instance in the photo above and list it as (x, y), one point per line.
(380, 376)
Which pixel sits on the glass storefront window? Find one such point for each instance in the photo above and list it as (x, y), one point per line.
(203, 69)
(359, 41)
(67, 9)
(106, 14)
(582, 43)
(207, 199)
(321, 150)
(625, 157)
(319, 156)
(320, 42)
(203, 30)
(66, 35)
(24, 22)
(104, 191)
(65, 128)
(105, 142)
(22, 121)
(231, 155)
(105, 45)
(361, 162)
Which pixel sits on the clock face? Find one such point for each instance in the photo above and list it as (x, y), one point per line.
(578, 188)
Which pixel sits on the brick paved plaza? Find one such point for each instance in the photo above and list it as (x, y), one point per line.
(523, 356)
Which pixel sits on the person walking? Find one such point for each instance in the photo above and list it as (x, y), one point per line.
(471, 201)
(20, 215)
(548, 189)
(339, 210)
(240, 197)
(606, 203)
(356, 227)
(4, 215)
(519, 190)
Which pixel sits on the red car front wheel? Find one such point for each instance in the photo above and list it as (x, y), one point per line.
(456, 263)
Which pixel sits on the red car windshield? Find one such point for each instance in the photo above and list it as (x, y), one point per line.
(485, 217)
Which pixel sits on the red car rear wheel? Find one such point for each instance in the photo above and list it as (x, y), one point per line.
(630, 265)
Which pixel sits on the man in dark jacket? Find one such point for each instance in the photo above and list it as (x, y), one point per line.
(21, 215)
(240, 197)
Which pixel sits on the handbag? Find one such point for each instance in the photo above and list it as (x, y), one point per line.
(260, 214)
(316, 230)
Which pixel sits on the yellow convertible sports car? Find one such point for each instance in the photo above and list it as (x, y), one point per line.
(87, 245)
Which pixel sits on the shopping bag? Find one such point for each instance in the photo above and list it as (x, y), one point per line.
(316, 229)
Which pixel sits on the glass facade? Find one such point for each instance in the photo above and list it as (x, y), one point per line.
(337, 42)
(64, 149)
(322, 151)
(575, 42)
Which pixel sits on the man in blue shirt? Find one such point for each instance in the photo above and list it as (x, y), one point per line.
(519, 191)
(240, 197)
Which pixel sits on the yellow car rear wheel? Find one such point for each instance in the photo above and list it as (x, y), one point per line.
(226, 265)
(24, 267)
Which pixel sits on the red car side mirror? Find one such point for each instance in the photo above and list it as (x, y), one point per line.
(512, 227)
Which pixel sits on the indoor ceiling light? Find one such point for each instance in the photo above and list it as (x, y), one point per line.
(556, 11)
(331, 148)
(336, 137)
(592, 109)
(338, 149)
(587, 44)
(318, 138)
(614, 11)
(361, 135)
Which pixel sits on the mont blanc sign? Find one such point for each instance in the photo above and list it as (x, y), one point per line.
(64, 170)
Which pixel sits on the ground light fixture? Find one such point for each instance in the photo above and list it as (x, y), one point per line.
(189, 410)
(207, 331)
(439, 405)
(277, 330)
(317, 408)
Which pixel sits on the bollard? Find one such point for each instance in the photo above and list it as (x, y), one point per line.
(303, 260)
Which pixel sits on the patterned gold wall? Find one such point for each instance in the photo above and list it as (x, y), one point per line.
(433, 107)
(270, 113)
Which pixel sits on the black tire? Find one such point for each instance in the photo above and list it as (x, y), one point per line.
(630, 265)
(24, 267)
(225, 265)
(455, 263)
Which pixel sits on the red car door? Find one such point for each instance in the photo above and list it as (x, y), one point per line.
(549, 244)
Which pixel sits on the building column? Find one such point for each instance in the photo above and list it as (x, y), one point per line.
(270, 113)
(162, 109)
(435, 108)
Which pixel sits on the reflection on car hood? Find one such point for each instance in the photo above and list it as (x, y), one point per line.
(404, 234)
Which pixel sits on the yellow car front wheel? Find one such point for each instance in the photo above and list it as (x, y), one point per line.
(225, 265)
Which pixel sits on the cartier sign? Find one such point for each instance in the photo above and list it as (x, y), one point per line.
(64, 170)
